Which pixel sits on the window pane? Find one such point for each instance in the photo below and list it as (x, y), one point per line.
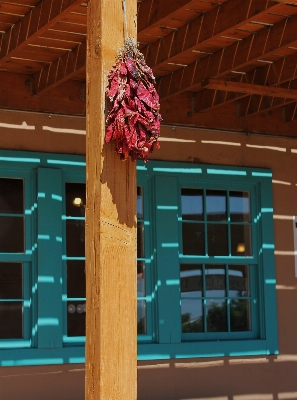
(192, 204)
(193, 239)
(191, 280)
(12, 234)
(240, 315)
(75, 199)
(216, 205)
(11, 196)
(140, 278)
(216, 315)
(139, 202)
(239, 206)
(192, 316)
(241, 240)
(76, 318)
(215, 277)
(140, 240)
(76, 279)
(11, 281)
(141, 317)
(217, 236)
(238, 280)
(75, 238)
(11, 317)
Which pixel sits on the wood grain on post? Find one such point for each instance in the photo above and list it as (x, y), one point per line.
(111, 338)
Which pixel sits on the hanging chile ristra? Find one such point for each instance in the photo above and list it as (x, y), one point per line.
(133, 120)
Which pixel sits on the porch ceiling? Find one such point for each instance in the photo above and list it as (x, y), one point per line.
(224, 64)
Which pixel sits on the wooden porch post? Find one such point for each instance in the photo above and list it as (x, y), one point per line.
(111, 353)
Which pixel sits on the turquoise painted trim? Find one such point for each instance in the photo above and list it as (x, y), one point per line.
(49, 322)
(25, 357)
(203, 349)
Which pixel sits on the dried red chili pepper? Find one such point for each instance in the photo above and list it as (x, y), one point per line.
(133, 120)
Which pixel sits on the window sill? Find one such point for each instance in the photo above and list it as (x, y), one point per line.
(227, 348)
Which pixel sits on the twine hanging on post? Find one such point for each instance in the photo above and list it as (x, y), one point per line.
(133, 120)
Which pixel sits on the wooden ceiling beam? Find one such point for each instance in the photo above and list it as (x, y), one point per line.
(255, 49)
(257, 104)
(62, 69)
(204, 33)
(285, 1)
(282, 72)
(40, 18)
(175, 114)
(247, 88)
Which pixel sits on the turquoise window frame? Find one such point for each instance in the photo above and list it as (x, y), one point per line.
(45, 175)
(47, 342)
(165, 180)
(70, 176)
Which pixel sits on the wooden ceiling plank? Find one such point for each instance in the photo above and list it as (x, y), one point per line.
(239, 55)
(64, 36)
(286, 1)
(35, 23)
(69, 27)
(229, 16)
(31, 3)
(16, 9)
(9, 18)
(58, 44)
(61, 69)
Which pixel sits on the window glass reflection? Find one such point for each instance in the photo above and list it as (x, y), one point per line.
(139, 202)
(192, 204)
(76, 318)
(140, 279)
(191, 280)
(239, 206)
(217, 239)
(140, 240)
(193, 238)
(12, 235)
(11, 280)
(239, 280)
(216, 315)
(75, 199)
(215, 277)
(11, 196)
(141, 317)
(216, 205)
(241, 240)
(76, 279)
(75, 238)
(192, 316)
(11, 317)
(240, 315)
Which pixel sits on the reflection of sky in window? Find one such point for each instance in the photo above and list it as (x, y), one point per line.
(192, 205)
(193, 307)
(139, 203)
(216, 202)
(239, 203)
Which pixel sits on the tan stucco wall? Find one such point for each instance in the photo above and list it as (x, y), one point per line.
(229, 378)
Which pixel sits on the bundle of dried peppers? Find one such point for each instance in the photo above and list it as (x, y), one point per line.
(133, 120)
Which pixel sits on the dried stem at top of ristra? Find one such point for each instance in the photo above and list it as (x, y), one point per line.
(133, 120)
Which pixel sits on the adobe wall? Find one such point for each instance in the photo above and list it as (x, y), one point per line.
(228, 378)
